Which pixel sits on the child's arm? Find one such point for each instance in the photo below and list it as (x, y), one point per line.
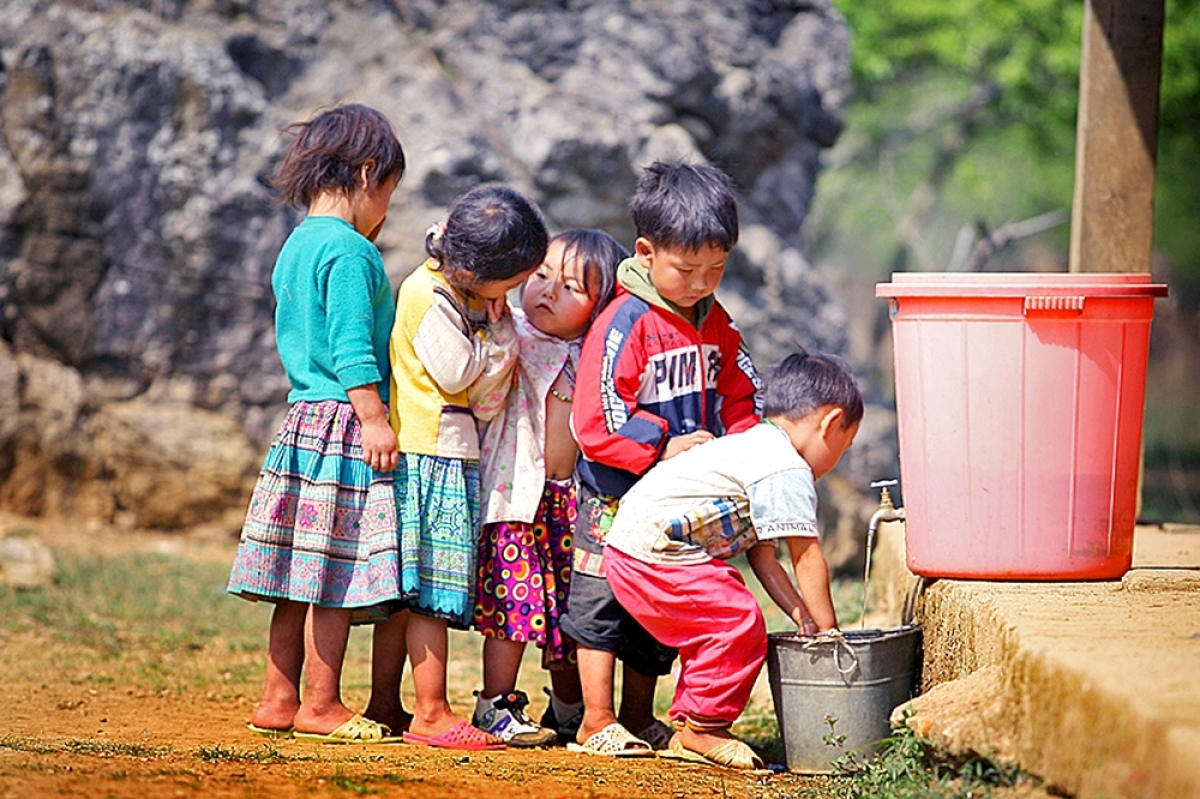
(489, 391)
(453, 358)
(779, 587)
(737, 385)
(678, 444)
(609, 423)
(784, 505)
(350, 288)
(812, 576)
(378, 440)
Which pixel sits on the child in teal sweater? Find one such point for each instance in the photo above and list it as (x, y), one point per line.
(320, 534)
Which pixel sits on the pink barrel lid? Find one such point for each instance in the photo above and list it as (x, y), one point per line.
(1020, 284)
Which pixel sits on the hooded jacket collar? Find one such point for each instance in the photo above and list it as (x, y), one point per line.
(635, 279)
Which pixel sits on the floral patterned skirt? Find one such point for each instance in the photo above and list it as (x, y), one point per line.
(322, 524)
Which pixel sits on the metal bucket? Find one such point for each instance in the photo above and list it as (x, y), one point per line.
(857, 682)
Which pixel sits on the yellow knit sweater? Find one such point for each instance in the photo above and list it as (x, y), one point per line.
(442, 354)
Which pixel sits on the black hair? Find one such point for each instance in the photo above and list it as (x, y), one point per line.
(329, 151)
(679, 205)
(492, 233)
(803, 382)
(600, 254)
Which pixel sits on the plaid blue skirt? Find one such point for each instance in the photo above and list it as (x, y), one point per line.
(322, 525)
(439, 536)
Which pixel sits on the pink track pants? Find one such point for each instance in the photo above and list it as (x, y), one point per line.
(706, 612)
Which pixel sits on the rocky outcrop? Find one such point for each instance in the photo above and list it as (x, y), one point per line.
(137, 233)
(150, 461)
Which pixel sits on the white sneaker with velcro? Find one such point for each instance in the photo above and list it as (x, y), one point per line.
(504, 716)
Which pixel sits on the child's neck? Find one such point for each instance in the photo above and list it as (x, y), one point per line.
(553, 337)
(332, 204)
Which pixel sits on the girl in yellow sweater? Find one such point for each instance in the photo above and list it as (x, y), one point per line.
(453, 336)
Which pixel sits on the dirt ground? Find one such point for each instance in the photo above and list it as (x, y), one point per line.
(94, 706)
(68, 727)
(75, 741)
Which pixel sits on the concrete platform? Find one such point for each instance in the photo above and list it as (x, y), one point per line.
(1094, 687)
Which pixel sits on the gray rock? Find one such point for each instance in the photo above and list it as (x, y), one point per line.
(137, 233)
(156, 460)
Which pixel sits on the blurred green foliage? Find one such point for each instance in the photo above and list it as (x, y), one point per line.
(964, 113)
(1180, 98)
(1027, 52)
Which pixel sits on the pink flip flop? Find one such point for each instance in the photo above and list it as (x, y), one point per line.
(460, 736)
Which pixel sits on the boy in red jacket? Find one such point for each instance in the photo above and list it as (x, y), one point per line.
(662, 369)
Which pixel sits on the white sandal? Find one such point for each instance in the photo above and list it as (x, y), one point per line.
(731, 753)
(613, 741)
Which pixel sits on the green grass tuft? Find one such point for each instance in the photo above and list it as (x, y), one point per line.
(905, 766)
(79, 747)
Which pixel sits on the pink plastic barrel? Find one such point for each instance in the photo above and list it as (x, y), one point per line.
(1019, 401)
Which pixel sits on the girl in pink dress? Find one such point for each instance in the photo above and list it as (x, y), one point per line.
(527, 465)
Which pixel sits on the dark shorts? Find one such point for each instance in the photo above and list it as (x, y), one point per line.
(594, 618)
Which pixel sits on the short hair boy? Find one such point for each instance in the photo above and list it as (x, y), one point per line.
(675, 531)
(662, 369)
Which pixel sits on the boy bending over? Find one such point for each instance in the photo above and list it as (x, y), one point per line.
(668, 550)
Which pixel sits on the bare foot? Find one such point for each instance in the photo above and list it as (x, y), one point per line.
(321, 721)
(703, 741)
(435, 724)
(274, 716)
(593, 722)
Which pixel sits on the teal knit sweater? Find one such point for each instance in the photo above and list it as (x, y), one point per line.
(334, 311)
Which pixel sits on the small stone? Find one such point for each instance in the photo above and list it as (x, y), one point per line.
(26, 562)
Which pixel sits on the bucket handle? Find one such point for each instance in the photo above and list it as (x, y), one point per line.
(1060, 303)
(838, 640)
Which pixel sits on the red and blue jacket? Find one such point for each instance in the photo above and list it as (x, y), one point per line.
(647, 374)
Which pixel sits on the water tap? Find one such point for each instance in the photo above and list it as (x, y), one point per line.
(887, 512)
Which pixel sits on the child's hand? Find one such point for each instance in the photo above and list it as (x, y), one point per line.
(378, 440)
(495, 309)
(812, 578)
(685, 442)
(379, 446)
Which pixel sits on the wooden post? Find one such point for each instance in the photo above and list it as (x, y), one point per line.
(1112, 217)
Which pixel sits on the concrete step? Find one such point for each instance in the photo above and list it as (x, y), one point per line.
(1092, 686)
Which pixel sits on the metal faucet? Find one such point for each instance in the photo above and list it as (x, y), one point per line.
(887, 512)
